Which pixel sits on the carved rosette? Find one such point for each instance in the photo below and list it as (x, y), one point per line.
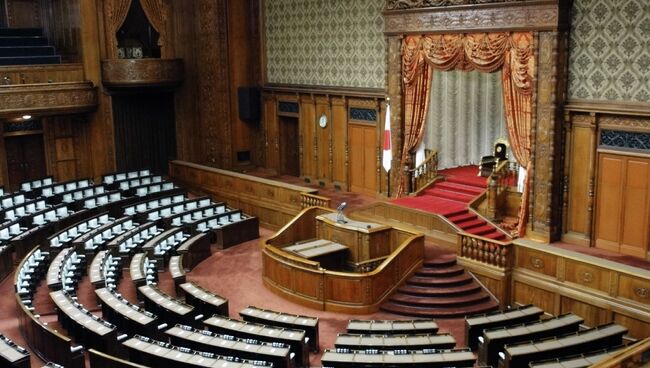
(500, 17)
(51, 98)
(142, 72)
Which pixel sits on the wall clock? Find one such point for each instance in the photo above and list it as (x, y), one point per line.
(322, 121)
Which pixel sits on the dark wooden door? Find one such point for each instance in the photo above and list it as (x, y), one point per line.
(289, 138)
(25, 158)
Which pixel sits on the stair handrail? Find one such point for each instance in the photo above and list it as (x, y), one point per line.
(425, 173)
(498, 183)
(309, 200)
(627, 357)
(495, 253)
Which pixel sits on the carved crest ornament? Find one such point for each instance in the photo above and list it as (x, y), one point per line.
(412, 4)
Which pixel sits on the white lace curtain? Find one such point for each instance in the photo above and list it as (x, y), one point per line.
(466, 116)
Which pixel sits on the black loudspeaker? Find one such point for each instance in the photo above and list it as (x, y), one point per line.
(249, 103)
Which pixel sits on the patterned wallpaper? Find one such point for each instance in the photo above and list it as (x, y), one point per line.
(610, 50)
(326, 42)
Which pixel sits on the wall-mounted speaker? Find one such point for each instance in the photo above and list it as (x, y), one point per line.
(249, 103)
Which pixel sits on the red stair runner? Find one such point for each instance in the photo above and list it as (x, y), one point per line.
(451, 197)
(440, 289)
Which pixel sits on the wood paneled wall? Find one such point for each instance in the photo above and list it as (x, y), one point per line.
(587, 172)
(23, 13)
(345, 154)
(61, 25)
(67, 146)
(220, 51)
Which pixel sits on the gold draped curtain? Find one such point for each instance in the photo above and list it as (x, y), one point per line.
(157, 15)
(115, 13)
(485, 52)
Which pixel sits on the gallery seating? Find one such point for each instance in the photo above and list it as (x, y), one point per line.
(394, 342)
(127, 184)
(177, 272)
(202, 340)
(162, 188)
(143, 350)
(164, 212)
(204, 301)
(143, 270)
(140, 209)
(194, 250)
(578, 361)
(52, 344)
(30, 187)
(476, 324)
(297, 339)
(285, 320)
(131, 242)
(493, 340)
(86, 328)
(417, 326)
(67, 235)
(67, 265)
(229, 228)
(167, 308)
(128, 318)
(78, 195)
(12, 355)
(98, 237)
(109, 179)
(105, 270)
(429, 358)
(521, 354)
(49, 191)
(24, 209)
(163, 245)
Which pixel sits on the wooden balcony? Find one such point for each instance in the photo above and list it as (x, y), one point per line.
(47, 98)
(128, 73)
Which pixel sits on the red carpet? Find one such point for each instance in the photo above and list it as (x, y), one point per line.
(450, 198)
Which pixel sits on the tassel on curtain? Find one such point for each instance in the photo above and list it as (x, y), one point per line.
(157, 15)
(485, 52)
(116, 12)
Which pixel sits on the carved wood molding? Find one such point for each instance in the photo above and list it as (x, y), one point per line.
(413, 4)
(325, 90)
(608, 107)
(51, 98)
(142, 72)
(544, 15)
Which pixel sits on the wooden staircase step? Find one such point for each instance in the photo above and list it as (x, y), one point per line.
(448, 301)
(441, 312)
(440, 292)
(444, 261)
(467, 216)
(453, 270)
(458, 187)
(440, 282)
(466, 225)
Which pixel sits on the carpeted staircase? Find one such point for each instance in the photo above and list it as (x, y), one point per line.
(440, 289)
(450, 198)
(25, 46)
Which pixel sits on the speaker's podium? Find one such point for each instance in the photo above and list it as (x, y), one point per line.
(340, 264)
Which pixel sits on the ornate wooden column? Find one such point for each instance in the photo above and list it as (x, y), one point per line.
(549, 20)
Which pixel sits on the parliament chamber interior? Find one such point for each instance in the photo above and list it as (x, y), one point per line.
(335, 183)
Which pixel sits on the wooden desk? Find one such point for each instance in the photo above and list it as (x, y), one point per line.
(366, 240)
(394, 342)
(353, 359)
(417, 326)
(127, 317)
(247, 330)
(194, 250)
(330, 255)
(279, 319)
(204, 302)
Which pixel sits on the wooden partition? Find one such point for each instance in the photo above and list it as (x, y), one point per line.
(561, 281)
(303, 281)
(274, 203)
(434, 226)
(43, 340)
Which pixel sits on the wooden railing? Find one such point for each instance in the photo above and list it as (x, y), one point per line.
(424, 173)
(303, 281)
(503, 176)
(311, 200)
(489, 251)
(630, 357)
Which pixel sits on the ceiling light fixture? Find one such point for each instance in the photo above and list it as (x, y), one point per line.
(27, 117)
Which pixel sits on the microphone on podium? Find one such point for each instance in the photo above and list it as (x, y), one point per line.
(340, 218)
